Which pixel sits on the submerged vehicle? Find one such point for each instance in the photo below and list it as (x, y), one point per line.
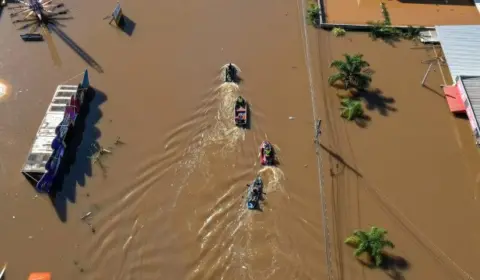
(32, 37)
(230, 73)
(267, 154)
(241, 114)
(254, 194)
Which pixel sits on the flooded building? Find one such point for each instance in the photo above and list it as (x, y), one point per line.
(460, 44)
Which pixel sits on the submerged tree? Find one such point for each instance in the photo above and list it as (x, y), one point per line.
(372, 243)
(313, 14)
(351, 109)
(351, 72)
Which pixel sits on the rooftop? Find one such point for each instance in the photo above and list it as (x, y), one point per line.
(41, 148)
(460, 46)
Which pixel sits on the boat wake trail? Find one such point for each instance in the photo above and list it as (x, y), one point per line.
(274, 177)
(212, 129)
(227, 239)
(224, 131)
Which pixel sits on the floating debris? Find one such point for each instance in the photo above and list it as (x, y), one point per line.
(87, 215)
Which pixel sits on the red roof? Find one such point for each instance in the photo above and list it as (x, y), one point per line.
(455, 103)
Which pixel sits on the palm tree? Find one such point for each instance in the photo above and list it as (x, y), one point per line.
(351, 72)
(351, 109)
(372, 243)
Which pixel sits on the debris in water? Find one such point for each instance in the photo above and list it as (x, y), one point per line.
(86, 216)
(118, 141)
(291, 118)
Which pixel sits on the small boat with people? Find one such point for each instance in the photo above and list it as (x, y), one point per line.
(267, 154)
(231, 74)
(32, 37)
(241, 112)
(255, 194)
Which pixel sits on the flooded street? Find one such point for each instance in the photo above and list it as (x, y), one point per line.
(169, 202)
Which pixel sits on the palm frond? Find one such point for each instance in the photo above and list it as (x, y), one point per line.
(362, 248)
(337, 64)
(352, 240)
(359, 233)
(335, 78)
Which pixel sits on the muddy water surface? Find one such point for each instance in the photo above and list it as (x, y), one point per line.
(403, 12)
(411, 167)
(169, 202)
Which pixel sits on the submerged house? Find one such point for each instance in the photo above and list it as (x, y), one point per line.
(460, 44)
(49, 146)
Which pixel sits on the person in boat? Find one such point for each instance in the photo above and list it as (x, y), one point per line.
(240, 101)
(268, 150)
(255, 195)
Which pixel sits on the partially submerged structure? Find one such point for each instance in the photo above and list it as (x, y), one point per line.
(460, 44)
(49, 146)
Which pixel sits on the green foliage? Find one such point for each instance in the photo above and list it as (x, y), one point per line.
(383, 29)
(412, 33)
(351, 109)
(372, 243)
(386, 14)
(338, 32)
(351, 72)
(313, 14)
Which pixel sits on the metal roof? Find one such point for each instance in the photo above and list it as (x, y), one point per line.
(41, 149)
(472, 89)
(460, 44)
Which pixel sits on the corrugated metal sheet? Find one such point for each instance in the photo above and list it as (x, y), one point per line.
(461, 44)
(429, 36)
(472, 89)
(41, 148)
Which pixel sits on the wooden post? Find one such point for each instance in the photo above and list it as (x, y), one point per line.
(426, 74)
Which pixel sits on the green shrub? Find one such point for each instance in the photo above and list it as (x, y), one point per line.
(338, 32)
(313, 14)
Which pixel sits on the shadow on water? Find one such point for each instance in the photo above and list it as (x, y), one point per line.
(375, 101)
(363, 120)
(462, 116)
(392, 265)
(340, 160)
(127, 26)
(84, 55)
(434, 91)
(77, 165)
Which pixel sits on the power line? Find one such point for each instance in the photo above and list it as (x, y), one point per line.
(326, 233)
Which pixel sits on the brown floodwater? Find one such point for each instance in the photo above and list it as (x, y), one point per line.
(169, 202)
(403, 12)
(410, 168)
